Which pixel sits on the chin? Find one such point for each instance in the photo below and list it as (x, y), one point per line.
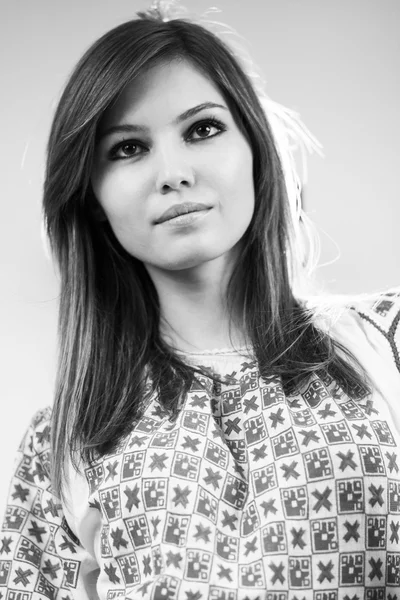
(196, 259)
(184, 264)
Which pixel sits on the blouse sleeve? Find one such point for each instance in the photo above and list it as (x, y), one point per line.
(376, 339)
(40, 556)
(379, 317)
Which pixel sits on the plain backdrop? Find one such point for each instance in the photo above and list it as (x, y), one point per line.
(336, 63)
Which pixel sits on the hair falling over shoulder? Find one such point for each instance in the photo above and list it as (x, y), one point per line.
(111, 355)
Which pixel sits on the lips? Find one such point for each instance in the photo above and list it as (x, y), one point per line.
(181, 209)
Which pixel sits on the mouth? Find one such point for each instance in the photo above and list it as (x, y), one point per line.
(183, 214)
(178, 210)
(187, 218)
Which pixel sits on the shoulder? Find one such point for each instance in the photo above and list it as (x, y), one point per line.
(366, 324)
(41, 419)
(378, 315)
(381, 308)
(36, 440)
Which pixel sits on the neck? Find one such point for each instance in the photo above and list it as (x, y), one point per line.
(194, 312)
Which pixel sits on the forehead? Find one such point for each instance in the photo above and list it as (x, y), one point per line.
(163, 91)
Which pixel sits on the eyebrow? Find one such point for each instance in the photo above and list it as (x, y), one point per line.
(131, 128)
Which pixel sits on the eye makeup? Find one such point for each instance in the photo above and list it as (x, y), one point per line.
(127, 148)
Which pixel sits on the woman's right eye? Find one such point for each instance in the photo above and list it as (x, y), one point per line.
(125, 149)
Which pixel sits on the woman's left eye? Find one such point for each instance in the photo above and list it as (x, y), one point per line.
(206, 129)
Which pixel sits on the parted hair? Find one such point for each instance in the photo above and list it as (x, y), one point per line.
(111, 354)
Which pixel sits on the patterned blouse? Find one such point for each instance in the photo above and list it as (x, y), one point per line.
(251, 495)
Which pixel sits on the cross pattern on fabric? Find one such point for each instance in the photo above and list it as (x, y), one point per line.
(249, 495)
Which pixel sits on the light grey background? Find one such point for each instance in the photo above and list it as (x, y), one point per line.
(337, 63)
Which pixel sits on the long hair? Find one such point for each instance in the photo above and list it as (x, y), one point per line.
(111, 354)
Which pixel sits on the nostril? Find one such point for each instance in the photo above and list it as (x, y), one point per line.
(168, 187)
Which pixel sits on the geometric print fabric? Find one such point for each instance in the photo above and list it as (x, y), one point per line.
(249, 495)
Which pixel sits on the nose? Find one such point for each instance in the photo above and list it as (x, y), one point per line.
(174, 172)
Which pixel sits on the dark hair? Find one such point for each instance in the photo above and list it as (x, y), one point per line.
(111, 355)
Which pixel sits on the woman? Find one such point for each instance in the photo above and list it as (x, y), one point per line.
(213, 435)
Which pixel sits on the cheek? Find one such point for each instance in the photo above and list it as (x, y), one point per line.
(243, 192)
(122, 198)
(246, 170)
(120, 195)
(239, 160)
(238, 178)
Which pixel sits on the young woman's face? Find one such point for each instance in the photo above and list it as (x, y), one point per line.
(171, 139)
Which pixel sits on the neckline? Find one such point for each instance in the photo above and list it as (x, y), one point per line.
(217, 351)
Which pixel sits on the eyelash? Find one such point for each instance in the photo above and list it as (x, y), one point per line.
(212, 121)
